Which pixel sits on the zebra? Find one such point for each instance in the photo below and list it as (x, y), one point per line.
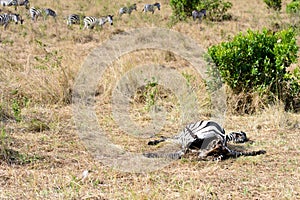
(8, 17)
(150, 7)
(91, 22)
(206, 138)
(50, 12)
(5, 2)
(198, 14)
(128, 10)
(15, 3)
(74, 19)
(37, 12)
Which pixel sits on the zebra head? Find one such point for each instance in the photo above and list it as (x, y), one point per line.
(109, 18)
(157, 5)
(203, 11)
(239, 137)
(133, 6)
(122, 10)
(16, 18)
(27, 4)
(103, 20)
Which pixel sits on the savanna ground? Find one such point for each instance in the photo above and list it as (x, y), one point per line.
(42, 156)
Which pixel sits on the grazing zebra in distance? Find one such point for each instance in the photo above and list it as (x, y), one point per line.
(150, 7)
(207, 138)
(50, 12)
(37, 12)
(74, 19)
(91, 22)
(15, 3)
(128, 10)
(8, 17)
(198, 14)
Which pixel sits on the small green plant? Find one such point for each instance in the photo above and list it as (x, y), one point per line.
(188, 77)
(150, 93)
(258, 62)
(10, 156)
(37, 125)
(16, 110)
(217, 10)
(293, 7)
(3, 144)
(2, 114)
(7, 42)
(274, 4)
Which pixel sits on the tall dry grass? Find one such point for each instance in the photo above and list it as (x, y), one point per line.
(47, 55)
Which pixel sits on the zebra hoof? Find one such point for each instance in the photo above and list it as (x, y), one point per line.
(155, 142)
(261, 152)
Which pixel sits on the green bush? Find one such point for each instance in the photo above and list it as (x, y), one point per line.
(274, 4)
(216, 9)
(293, 7)
(183, 8)
(258, 62)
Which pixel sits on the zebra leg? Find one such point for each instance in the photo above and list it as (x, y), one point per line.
(155, 142)
(36, 18)
(253, 153)
(85, 26)
(5, 25)
(173, 156)
(235, 154)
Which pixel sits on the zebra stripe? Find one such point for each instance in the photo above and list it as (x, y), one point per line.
(50, 12)
(127, 10)
(8, 17)
(199, 14)
(15, 3)
(74, 19)
(91, 22)
(37, 12)
(208, 138)
(4, 19)
(151, 7)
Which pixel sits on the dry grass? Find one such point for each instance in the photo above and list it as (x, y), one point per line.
(42, 157)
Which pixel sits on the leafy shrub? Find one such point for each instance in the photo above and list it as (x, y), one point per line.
(273, 4)
(216, 9)
(293, 7)
(183, 8)
(258, 62)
